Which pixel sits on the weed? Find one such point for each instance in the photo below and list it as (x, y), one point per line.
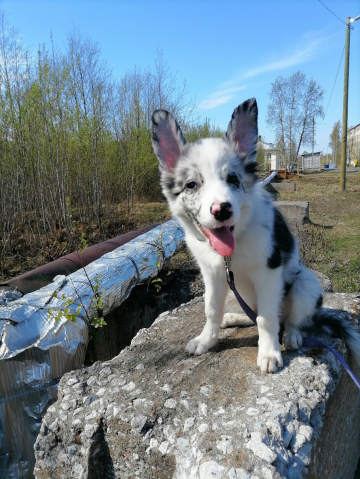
(97, 321)
(313, 244)
(159, 255)
(70, 316)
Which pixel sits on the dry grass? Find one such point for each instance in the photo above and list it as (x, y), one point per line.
(24, 257)
(331, 243)
(147, 213)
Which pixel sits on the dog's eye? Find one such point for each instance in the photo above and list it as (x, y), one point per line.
(232, 179)
(192, 185)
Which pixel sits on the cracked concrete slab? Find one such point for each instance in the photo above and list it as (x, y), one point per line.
(156, 412)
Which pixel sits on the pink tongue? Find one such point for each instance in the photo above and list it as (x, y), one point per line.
(221, 239)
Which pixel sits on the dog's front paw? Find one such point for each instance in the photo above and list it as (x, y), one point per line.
(292, 339)
(199, 346)
(269, 360)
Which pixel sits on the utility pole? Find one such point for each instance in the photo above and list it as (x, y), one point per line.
(349, 20)
(312, 146)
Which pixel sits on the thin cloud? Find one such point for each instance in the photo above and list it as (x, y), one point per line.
(229, 88)
(214, 102)
(220, 97)
(304, 55)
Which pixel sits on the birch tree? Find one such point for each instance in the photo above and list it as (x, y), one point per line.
(75, 143)
(295, 104)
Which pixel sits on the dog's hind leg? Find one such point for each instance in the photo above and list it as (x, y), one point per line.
(215, 293)
(304, 297)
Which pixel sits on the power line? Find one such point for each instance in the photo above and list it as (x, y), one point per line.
(332, 12)
(337, 73)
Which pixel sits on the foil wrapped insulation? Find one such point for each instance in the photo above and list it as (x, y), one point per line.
(36, 350)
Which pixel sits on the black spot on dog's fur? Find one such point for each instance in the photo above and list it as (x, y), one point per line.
(275, 259)
(283, 242)
(319, 302)
(288, 284)
(287, 288)
(169, 182)
(252, 168)
(332, 325)
(267, 201)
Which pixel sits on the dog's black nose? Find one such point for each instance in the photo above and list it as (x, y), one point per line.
(221, 211)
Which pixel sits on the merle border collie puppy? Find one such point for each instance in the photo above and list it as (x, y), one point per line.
(212, 187)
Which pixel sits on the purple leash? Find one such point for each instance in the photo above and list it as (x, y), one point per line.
(307, 342)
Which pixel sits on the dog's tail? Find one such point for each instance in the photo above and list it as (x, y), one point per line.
(334, 322)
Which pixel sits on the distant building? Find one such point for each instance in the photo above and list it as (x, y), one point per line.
(353, 144)
(311, 161)
(272, 156)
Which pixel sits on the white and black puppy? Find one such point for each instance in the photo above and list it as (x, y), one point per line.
(212, 188)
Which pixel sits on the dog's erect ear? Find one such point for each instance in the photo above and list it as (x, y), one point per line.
(243, 130)
(167, 139)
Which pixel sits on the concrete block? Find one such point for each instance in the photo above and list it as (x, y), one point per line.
(296, 213)
(284, 186)
(153, 411)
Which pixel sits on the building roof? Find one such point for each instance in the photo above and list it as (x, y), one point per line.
(354, 127)
(267, 146)
(306, 155)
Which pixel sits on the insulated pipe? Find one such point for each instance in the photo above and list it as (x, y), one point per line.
(267, 180)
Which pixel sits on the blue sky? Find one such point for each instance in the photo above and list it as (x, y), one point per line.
(227, 51)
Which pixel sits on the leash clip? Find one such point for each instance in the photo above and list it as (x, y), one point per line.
(227, 263)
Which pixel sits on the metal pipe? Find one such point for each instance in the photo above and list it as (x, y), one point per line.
(44, 275)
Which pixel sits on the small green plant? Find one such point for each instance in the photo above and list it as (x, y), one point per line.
(156, 282)
(160, 254)
(70, 316)
(83, 242)
(97, 321)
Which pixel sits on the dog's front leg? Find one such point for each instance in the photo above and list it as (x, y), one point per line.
(215, 294)
(269, 292)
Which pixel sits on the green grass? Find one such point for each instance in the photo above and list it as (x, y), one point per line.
(331, 242)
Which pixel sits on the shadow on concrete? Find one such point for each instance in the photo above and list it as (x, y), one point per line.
(100, 461)
(141, 309)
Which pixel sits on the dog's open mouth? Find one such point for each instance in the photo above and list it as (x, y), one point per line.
(221, 239)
